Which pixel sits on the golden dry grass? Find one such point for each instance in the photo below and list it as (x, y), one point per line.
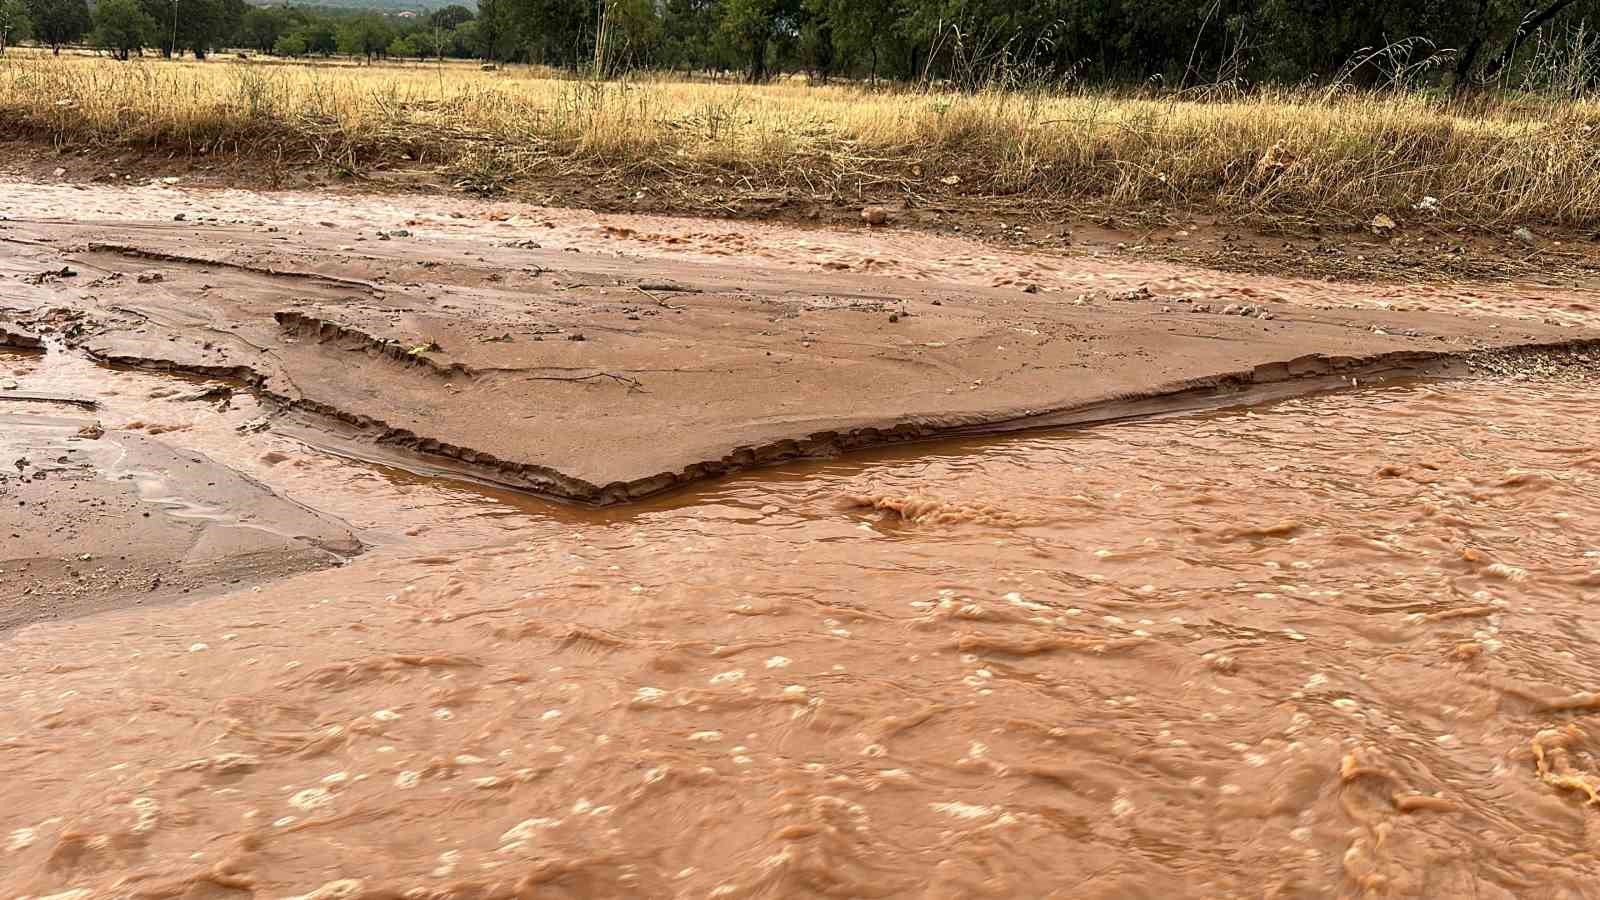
(1275, 154)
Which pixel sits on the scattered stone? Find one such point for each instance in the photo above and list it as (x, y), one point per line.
(180, 217)
(92, 432)
(1525, 236)
(1201, 308)
(576, 337)
(667, 287)
(399, 233)
(150, 278)
(1130, 296)
(60, 172)
(1382, 225)
(1232, 309)
(1030, 288)
(876, 216)
(525, 244)
(1428, 205)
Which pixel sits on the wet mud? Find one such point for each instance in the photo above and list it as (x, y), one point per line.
(609, 359)
(1332, 646)
(1260, 632)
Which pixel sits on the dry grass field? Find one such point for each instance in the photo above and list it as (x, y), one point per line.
(1275, 154)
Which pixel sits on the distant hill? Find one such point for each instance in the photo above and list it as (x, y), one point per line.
(387, 6)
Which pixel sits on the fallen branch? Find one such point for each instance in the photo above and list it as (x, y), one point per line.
(46, 398)
(633, 384)
(659, 302)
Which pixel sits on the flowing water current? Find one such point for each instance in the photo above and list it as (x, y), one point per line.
(1335, 646)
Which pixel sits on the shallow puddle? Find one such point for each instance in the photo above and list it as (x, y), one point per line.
(1331, 646)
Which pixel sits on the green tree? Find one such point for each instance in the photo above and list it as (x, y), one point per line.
(122, 27)
(451, 17)
(403, 48)
(58, 22)
(633, 32)
(755, 26)
(14, 22)
(194, 25)
(496, 29)
(292, 44)
(365, 35)
(262, 26)
(321, 38)
(464, 41)
(860, 29)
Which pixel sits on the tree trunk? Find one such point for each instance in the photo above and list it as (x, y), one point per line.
(758, 61)
(1530, 23)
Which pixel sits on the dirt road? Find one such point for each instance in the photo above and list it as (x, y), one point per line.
(1333, 645)
(604, 359)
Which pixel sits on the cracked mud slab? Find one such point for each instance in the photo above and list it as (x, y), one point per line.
(608, 358)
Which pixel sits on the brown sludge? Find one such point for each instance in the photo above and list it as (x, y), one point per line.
(1330, 644)
(477, 349)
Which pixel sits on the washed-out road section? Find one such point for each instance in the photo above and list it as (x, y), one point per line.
(604, 359)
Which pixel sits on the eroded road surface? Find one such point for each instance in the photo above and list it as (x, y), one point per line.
(1331, 645)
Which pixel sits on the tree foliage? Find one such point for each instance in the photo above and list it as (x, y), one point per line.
(59, 22)
(15, 22)
(967, 43)
(123, 27)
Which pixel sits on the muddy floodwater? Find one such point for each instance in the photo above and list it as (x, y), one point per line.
(1330, 640)
(1332, 646)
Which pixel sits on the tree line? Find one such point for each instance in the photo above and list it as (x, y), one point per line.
(1460, 43)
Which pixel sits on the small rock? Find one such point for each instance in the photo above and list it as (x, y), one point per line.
(179, 217)
(876, 216)
(1030, 289)
(894, 317)
(400, 233)
(60, 172)
(1428, 205)
(1524, 236)
(1232, 309)
(150, 277)
(1201, 308)
(576, 337)
(1381, 225)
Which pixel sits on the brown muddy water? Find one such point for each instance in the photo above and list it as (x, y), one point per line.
(1334, 646)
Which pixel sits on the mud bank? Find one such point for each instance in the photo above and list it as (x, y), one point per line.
(606, 359)
(93, 518)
